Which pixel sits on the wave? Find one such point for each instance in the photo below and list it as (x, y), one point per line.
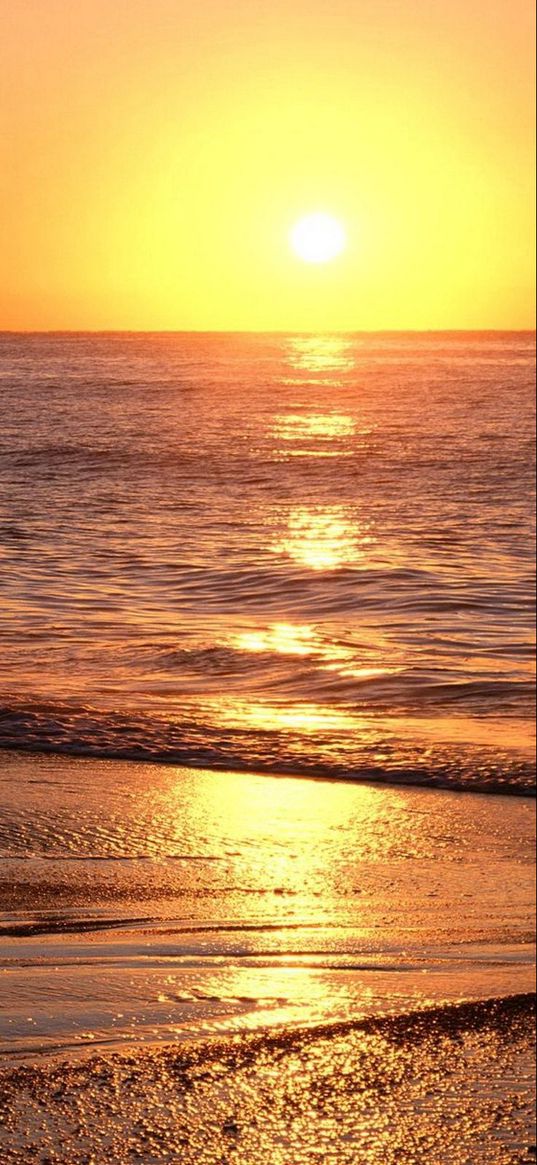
(336, 749)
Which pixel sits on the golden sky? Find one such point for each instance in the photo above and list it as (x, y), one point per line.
(155, 154)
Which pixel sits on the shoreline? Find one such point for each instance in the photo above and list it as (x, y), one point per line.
(445, 1085)
(500, 1012)
(368, 777)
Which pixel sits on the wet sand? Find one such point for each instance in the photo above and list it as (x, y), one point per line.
(451, 1085)
(225, 969)
(143, 904)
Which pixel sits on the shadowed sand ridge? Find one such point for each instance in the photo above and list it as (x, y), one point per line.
(451, 1085)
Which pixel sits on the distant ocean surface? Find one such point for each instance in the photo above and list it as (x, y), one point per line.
(288, 554)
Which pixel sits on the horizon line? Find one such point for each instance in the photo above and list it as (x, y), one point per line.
(264, 331)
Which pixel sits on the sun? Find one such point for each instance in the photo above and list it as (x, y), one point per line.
(318, 238)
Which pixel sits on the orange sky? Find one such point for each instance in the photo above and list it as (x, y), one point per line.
(154, 155)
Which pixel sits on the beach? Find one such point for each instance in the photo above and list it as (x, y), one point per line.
(204, 966)
(452, 1086)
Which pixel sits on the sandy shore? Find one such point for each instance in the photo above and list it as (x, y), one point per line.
(448, 1085)
(221, 969)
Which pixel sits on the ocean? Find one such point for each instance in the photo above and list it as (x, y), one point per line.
(266, 696)
(272, 553)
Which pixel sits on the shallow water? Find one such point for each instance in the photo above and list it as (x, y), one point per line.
(277, 553)
(145, 903)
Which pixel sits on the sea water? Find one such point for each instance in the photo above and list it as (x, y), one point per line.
(276, 553)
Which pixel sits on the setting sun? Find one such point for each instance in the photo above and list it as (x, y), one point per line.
(318, 238)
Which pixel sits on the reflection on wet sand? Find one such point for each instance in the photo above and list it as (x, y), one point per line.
(225, 903)
(446, 1088)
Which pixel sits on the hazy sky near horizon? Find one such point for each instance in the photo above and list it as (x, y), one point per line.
(154, 155)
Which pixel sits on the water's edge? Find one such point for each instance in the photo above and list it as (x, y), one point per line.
(504, 1013)
(377, 776)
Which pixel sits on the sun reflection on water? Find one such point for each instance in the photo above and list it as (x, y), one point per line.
(282, 638)
(325, 538)
(291, 717)
(327, 426)
(306, 640)
(321, 353)
(318, 434)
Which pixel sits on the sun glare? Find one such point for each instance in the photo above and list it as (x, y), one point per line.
(318, 238)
